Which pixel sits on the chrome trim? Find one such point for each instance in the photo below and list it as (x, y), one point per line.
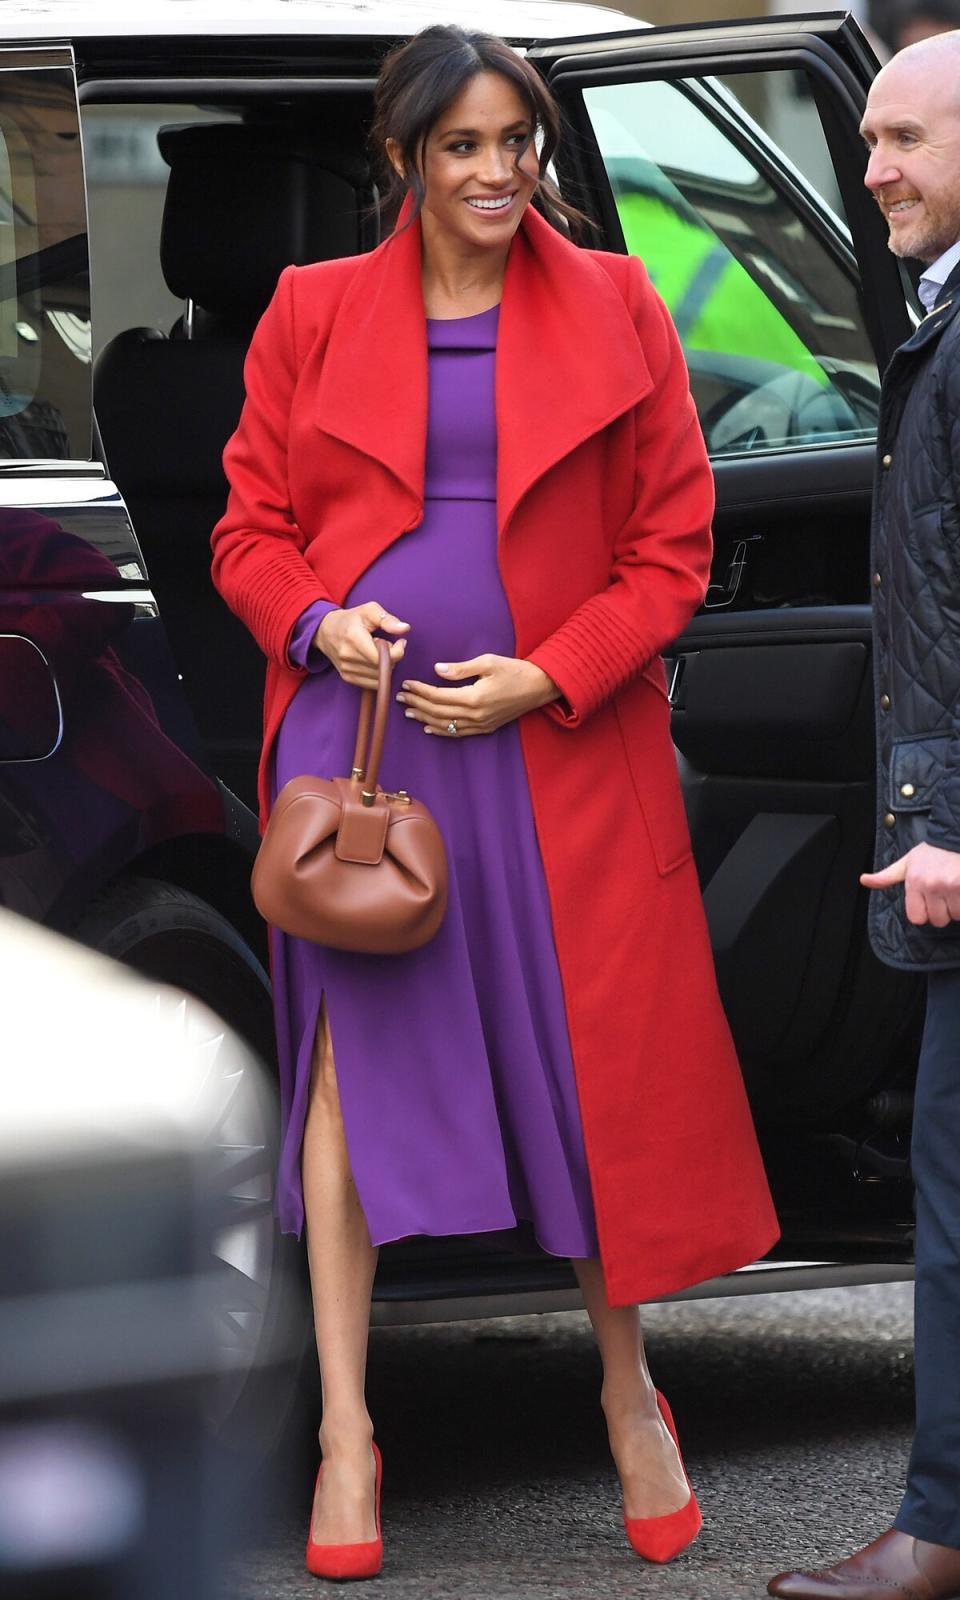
(24, 761)
(764, 1277)
(122, 597)
(42, 467)
(48, 491)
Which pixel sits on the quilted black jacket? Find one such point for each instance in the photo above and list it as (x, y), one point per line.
(916, 589)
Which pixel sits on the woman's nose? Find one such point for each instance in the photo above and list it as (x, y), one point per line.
(494, 166)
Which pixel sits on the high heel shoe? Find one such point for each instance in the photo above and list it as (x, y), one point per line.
(342, 1561)
(662, 1538)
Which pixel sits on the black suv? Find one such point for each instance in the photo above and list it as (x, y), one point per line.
(174, 164)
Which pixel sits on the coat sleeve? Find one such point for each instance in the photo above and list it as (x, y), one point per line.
(258, 560)
(943, 828)
(661, 558)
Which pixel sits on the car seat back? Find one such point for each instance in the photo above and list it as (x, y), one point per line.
(242, 202)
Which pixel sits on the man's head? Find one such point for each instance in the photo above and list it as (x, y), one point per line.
(912, 130)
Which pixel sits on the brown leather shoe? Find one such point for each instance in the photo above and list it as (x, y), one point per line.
(895, 1567)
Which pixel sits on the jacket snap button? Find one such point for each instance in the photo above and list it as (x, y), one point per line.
(877, 580)
(889, 820)
(888, 461)
(884, 702)
(907, 789)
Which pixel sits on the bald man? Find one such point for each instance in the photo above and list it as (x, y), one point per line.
(912, 131)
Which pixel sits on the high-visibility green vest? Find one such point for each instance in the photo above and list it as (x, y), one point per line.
(713, 300)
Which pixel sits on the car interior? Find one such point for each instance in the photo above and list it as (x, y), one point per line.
(242, 200)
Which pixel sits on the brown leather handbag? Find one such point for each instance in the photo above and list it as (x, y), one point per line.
(344, 863)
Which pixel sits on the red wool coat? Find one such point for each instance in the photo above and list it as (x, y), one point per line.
(604, 499)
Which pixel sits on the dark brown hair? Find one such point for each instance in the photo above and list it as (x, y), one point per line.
(420, 79)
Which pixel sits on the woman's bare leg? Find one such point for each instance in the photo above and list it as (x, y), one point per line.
(342, 1263)
(645, 1455)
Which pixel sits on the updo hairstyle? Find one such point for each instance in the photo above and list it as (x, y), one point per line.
(420, 79)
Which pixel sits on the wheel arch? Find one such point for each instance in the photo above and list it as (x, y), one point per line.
(216, 869)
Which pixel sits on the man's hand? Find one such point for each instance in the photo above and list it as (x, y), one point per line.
(505, 688)
(931, 878)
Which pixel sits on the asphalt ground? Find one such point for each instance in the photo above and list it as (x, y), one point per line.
(794, 1411)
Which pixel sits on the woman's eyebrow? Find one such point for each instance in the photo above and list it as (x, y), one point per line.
(471, 133)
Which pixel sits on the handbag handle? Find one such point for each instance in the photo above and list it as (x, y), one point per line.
(374, 706)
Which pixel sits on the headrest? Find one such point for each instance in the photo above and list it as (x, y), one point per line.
(245, 201)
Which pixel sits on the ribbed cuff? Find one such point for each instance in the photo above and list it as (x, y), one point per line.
(589, 658)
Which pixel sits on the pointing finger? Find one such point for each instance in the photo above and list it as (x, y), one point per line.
(895, 873)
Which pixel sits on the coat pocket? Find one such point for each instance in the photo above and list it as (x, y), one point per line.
(644, 718)
(916, 767)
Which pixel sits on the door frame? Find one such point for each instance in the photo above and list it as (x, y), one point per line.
(836, 57)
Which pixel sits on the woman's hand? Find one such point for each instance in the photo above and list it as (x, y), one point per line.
(505, 688)
(345, 636)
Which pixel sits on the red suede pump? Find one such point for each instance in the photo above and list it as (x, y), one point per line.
(662, 1538)
(345, 1561)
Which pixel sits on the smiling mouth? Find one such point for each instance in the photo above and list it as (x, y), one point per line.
(500, 203)
(899, 208)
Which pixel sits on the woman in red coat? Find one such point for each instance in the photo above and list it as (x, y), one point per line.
(478, 440)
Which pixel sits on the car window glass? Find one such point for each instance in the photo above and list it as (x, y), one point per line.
(782, 105)
(767, 314)
(126, 187)
(44, 283)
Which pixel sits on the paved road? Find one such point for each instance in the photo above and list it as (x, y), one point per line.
(794, 1411)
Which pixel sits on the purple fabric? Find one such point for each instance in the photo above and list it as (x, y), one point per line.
(453, 1062)
(301, 649)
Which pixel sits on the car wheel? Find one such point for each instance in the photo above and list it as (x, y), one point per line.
(171, 935)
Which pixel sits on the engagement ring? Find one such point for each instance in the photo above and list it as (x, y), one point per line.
(451, 727)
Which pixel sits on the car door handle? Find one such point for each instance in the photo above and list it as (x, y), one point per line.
(674, 667)
(724, 594)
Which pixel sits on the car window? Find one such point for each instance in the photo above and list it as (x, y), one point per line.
(767, 314)
(44, 288)
(126, 187)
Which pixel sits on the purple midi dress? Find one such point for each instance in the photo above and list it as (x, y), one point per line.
(453, 1062)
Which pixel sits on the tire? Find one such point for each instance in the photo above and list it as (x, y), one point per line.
(172, 936)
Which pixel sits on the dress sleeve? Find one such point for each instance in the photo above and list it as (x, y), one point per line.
(301, 649)
(661, 558)
(259, 565)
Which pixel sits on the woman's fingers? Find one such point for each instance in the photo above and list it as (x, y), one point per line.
(390, 624)
(376, 616)
(438, 697)
(455, 670)
(463, 730)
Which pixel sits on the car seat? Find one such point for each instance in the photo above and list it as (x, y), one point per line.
(242, 202)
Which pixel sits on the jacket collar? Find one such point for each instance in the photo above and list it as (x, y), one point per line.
(949, 289)
(943, 311)
(569, 360)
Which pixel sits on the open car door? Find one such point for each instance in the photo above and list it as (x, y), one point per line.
(787, 314)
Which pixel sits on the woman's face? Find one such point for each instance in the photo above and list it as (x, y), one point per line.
(474, 189)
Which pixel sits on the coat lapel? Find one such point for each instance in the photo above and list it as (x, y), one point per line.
(568, 360)
(372, 392)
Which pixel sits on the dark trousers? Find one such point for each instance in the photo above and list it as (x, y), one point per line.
(931, 1505)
